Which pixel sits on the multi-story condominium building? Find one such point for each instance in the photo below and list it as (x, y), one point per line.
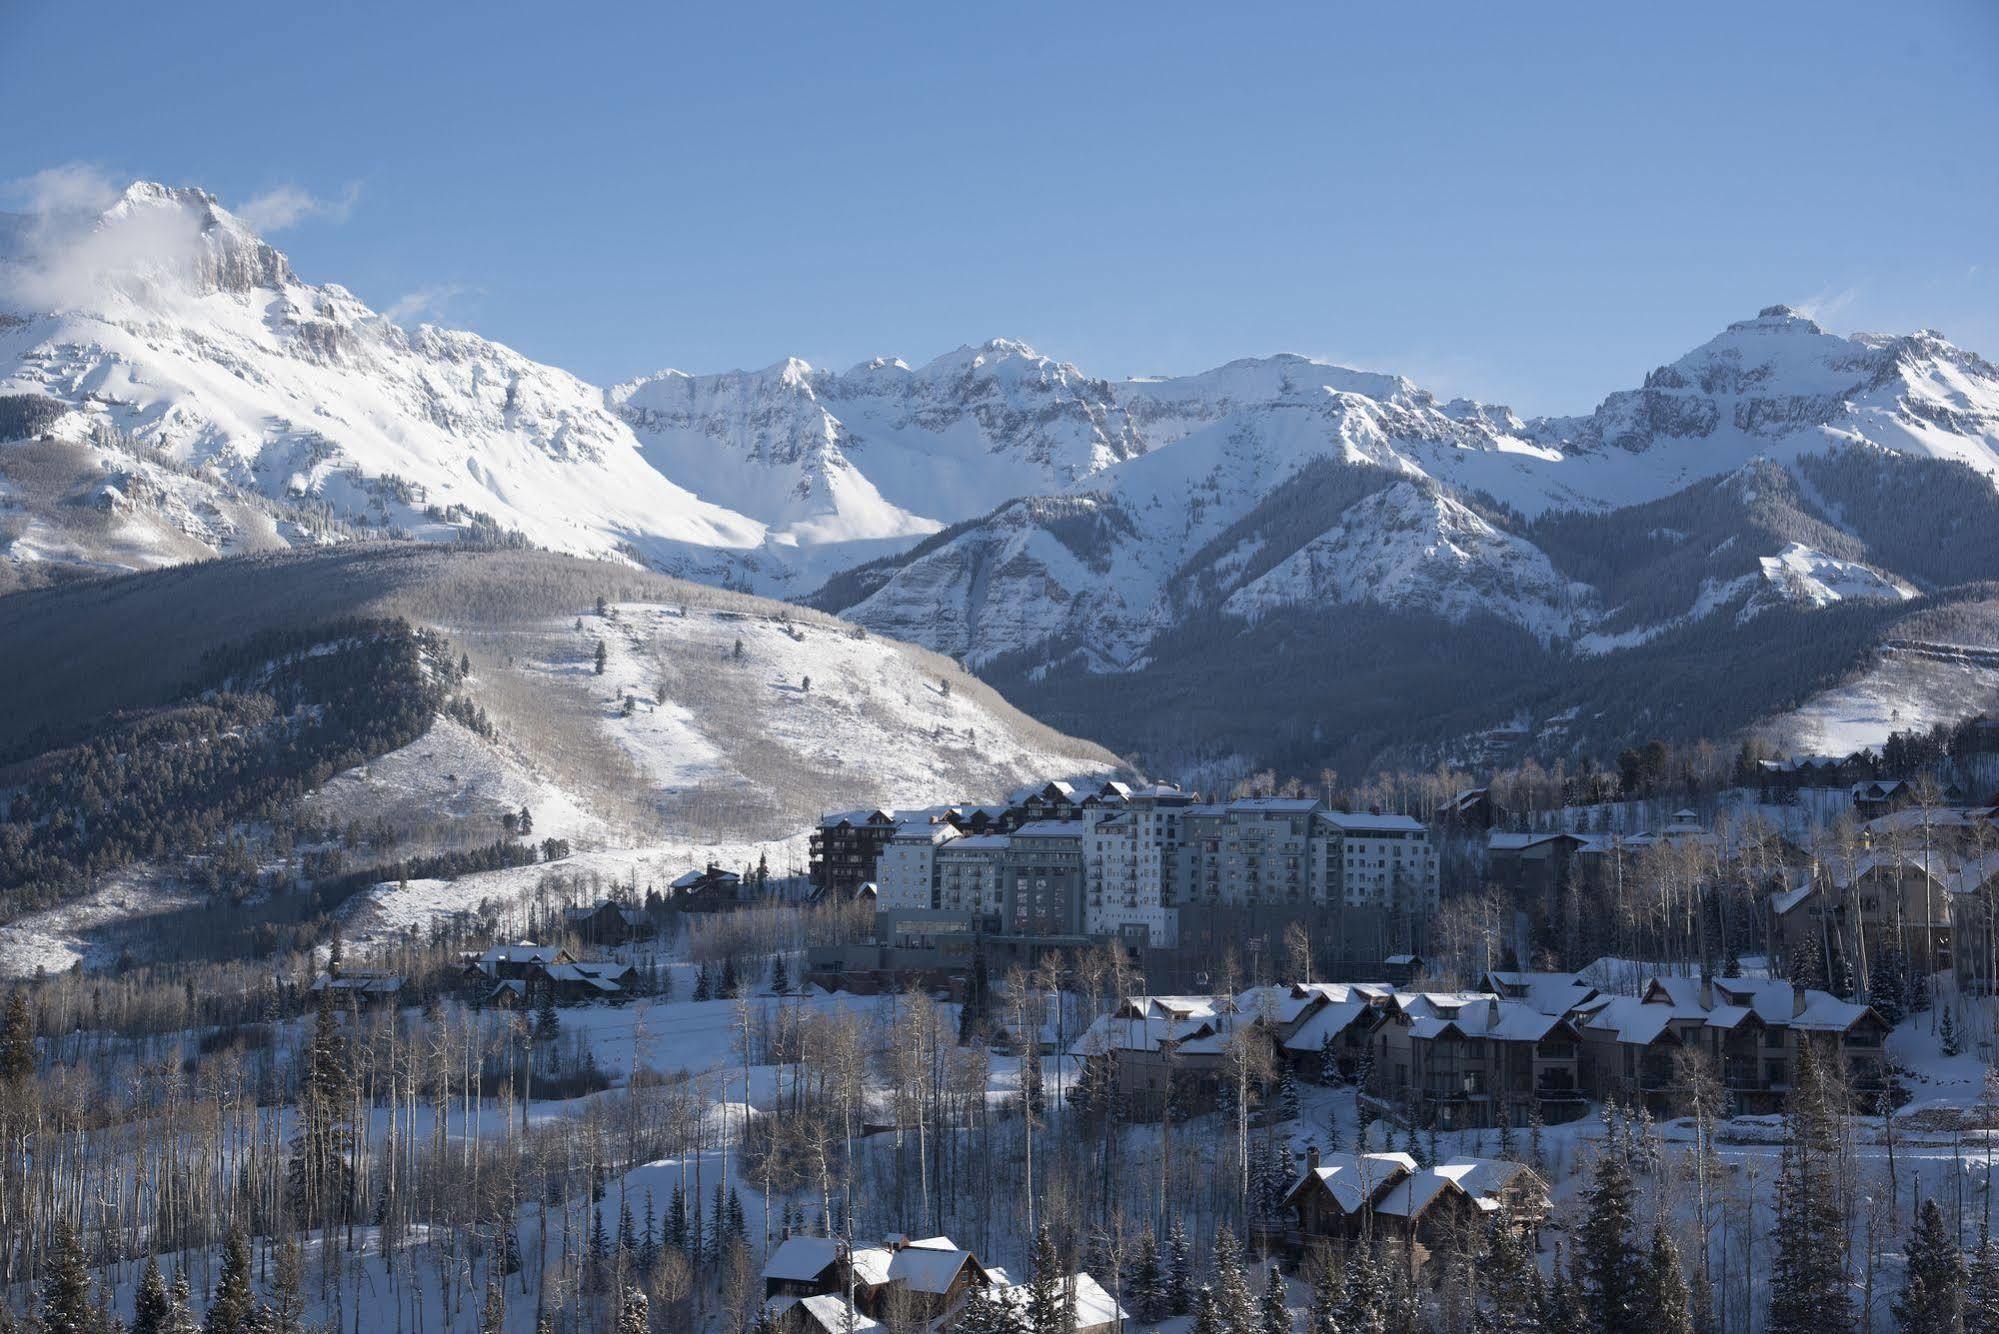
(971, 876)
(1043, 879)
(1375, 861)
(906, 873)
(1131, 864)
(1974, 916)
(1867, 909)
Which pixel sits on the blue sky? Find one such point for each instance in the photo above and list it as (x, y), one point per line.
(1532, 204)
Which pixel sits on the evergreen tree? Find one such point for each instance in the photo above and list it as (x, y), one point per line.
(1044, 1286)
(1947, 1037)
(1206, 1320)
(65, 1305)
(1510, 1277)
(731, 985)
(1323, 1316)
(1272, 1315)
(1607, 1261)
(180, 1308)
(546, 1023)
(1365, 1310)
(649, 1239)
(1235, 1303)
(151, 1306)
(235, 1303)
(1981, 1294)
(676, 1219)
(1179, 1271)
(1329, 1061)
(634, 1314)
(1146, 1283)
(1808, 1274)
(1932, 1299)
(318, 1173)
(703, 988)
(1663, 1300)
(780, 974)
(986, 1314)
(601, 655)
(17, 1040)
(1287, 1096)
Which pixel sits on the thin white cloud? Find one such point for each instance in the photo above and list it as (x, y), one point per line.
(71, 188)
(289, 205)
(1826, 302)
(423, 302)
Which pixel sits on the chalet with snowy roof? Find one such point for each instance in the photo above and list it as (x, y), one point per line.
(1160, 1048)
(1459, 1060)
(1869, 907)
(607, 923)
(1343, 1196)
(1342, 1028)
(1550, 993)
(360, 986)
(523, 973)
(710, 889)
(802, 1266)
(1749, 1029)
(905, 1283)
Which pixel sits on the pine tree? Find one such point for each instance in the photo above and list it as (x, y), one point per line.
(1146, 1283)
(493, 1315)
(1947, 1038)
(1235, 1303)
(703, 989)
(151, 1306)
(1510, 1277)
(1206, 1320)
(1607, 1261)
(1323, 1316)
(1287, 1096)
(731, 985)
(601, 655)
(1272, 1315)
(1179, 1271)
(1932, 1299)
(1981, 1295)
(1044, 1286)
(1663, 1301)
(649, 1239)
(546, 1023)
(66, 1307)
(1807, 1275)
(1365, 1310)
(235, 1303)
(634, 1314)
(985, 1313)
(17, 1040)
(676, 1219)
(1562, 1309)
(780, 974)
(1329, 1061)
(317, 1175)
(180, 1310)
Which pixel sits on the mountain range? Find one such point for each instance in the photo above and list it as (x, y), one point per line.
(1782, 498)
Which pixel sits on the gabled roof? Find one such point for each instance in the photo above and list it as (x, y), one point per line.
(1550, 993)
(802, 1259)
(826, 1313)
(1361, 822)
(1500, 1020)
(929, 1266)
(1094, 1307)
(1479, 1180)
(1496, 841)
(1330, 1020)
(1353, 1180)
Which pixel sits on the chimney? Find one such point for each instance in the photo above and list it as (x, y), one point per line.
(1311, 1157)
(1797, 999)
(1492, 1013)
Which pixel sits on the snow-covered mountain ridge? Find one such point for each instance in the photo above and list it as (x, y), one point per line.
(993, 503)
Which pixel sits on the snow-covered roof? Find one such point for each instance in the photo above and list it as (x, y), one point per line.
(1274, 805)
(1479, 1179)
(1354, 1179)
(922, 831)
(1550, 993)
(802, 1259)
(1630, 1019)
(1095, 1308)
(1500, 1020)
(1498, 841)
(928, 1266)
(859, 817)
(1361, 822)
(1329, 1021)
(827, 1312)
(1052, 829)
(978, 843)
